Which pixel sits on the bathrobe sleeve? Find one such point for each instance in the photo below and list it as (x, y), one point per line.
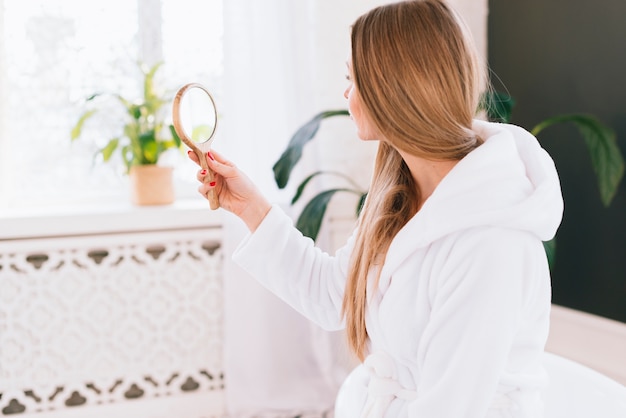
(487, 279)
(289, 265)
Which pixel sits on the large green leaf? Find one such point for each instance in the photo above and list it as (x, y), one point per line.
(497, 105)
(606, 158)
(292, 154)
(310, 219)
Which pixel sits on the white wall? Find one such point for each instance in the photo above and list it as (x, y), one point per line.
(332, 40)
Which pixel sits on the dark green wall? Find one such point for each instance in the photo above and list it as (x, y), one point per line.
(569, 56)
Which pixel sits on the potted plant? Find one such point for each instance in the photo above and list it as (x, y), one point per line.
(606, 159)
(142, 139)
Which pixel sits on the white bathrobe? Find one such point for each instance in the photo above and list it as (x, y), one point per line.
(459, 320)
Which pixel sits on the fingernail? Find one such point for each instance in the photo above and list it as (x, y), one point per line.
(210, 155)
(189, 152)
(203, 172)
(212, 184)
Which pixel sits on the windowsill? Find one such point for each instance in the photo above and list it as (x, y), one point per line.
(106, 219)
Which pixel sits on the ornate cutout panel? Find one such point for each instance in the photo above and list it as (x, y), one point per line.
(110, 319)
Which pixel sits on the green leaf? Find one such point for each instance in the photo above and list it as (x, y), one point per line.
(135, 111)
(308, 179)
(310, 220)
(131, 131)
(361, 203)
(78, 128)
(109, 148)
(292, 154)
(175, 136)
(497, 105)
(606, 157)
(302, 185)
(201, 133)
(150, 95)
(93, 96)
(151, 107)
(165, 145)
(149, 147)
(128, 105)
(550, 248)
(128, 156)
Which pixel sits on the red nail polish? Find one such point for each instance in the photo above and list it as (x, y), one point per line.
(212, 184)
(203, 172)
(210, 155)
(189, 152)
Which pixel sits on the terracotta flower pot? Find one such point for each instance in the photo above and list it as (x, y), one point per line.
(151, 185)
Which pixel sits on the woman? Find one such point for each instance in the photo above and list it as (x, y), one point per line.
(444, 288)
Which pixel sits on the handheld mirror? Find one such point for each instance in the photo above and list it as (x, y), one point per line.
(195, 120)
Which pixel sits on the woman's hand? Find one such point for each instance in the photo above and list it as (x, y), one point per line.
(235, 191)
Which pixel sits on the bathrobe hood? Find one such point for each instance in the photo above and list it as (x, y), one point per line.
(509, 181)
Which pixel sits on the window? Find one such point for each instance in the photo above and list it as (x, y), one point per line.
(55, 53)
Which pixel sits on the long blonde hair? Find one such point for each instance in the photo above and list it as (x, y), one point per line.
(418, 76)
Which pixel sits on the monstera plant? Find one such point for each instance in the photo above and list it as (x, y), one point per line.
(606, 159)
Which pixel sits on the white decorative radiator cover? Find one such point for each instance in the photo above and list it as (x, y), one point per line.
(112, 320)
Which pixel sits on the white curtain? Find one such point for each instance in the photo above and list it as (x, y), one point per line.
(284, 62)
(268, 358)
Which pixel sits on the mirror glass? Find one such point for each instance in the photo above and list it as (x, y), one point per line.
(198, 115)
